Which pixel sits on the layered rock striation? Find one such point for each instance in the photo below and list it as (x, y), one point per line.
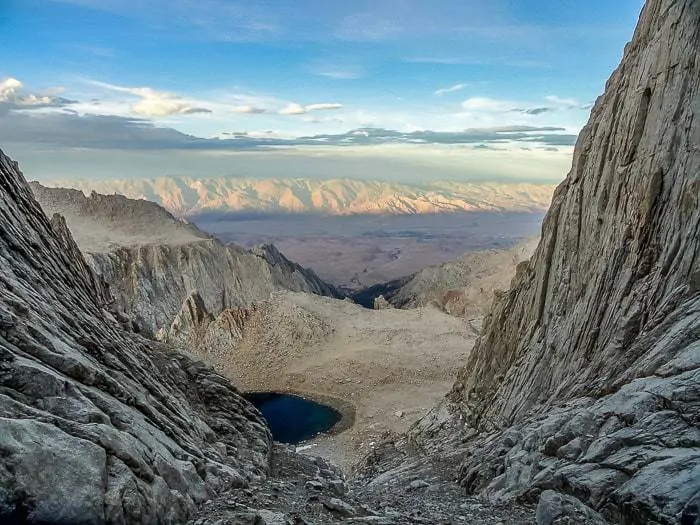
(152, 261)
(587, 377)
(98, 424)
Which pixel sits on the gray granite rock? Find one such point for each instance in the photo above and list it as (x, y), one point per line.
(154, 262)
(586, 379)
(96, 423)
(560, 509)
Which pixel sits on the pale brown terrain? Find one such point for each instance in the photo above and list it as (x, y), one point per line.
(390, 365)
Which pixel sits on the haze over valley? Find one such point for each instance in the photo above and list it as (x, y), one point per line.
(355, 252)
(353, 233)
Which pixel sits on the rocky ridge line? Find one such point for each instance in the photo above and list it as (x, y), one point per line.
(186, 196)
(152, 261)
(97, 424)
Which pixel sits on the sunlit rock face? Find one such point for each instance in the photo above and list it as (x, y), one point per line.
(186, 196)
(586, 379)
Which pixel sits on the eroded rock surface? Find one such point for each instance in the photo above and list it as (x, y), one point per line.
(153, 262)
(98, 424)
(586, 380)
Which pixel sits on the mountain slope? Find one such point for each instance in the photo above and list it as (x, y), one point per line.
(96, 424)
(619, 252)
(587, 377)
(185, 196)
(152, 261)
(463, 286)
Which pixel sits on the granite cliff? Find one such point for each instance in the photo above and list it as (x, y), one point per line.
(586, 380)
(582, 395)
(98, 424)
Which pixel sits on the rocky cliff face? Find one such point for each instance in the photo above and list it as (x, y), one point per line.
(97, 424)
(587, 378)
(152, 261)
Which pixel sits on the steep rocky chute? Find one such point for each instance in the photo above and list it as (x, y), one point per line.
(152, 261)
(587, 377)
(97, 424)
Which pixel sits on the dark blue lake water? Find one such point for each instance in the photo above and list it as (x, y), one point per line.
(293, 419)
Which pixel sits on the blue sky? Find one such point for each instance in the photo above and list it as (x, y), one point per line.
(94, 74)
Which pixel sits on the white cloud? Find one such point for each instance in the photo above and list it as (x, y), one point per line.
(298, 109)
(9, 89)
(565, 102)
(451, 89)
(293, 109)
(12, 92)
(161, 107)
(491, 106)
(341, 74)
(324, 106)
(443, 61)
(156, 103)
(252, 110)
(338, 68)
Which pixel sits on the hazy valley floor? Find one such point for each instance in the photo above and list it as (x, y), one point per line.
(363, 250)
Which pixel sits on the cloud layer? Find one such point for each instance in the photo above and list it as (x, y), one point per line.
(13, 96)
(143, 118)
(297, 109)
(451, 89)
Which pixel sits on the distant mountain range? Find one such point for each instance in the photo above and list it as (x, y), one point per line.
(185, 196)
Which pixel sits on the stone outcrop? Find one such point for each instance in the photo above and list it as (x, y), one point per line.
(464, 286)
(98, 424)
(152, 261)
(211, 337)
(270, 330)
(582, 396)
(586, 379)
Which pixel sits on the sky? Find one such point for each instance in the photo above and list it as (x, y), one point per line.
(374, 88)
